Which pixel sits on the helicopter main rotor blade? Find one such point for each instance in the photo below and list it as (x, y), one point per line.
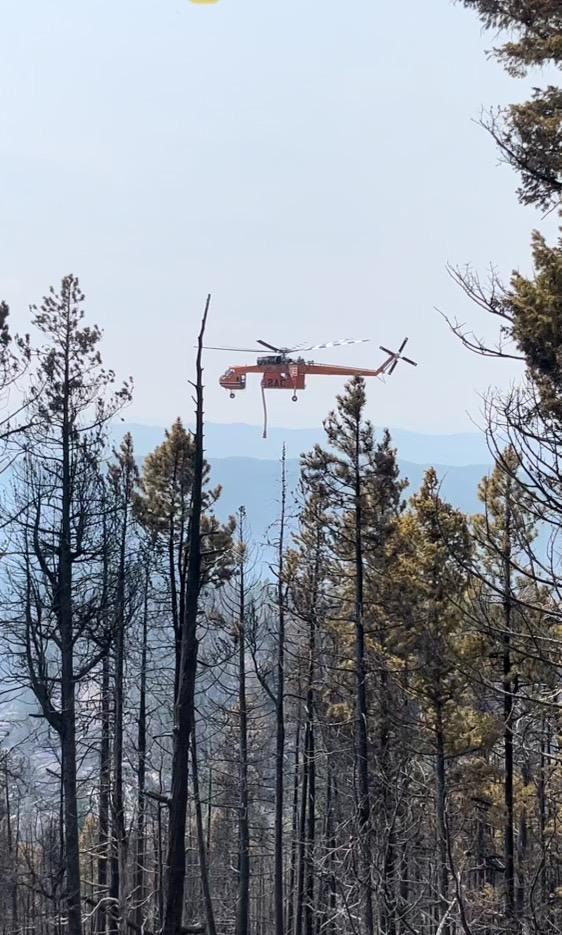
(236, 350)
(341, 342)
(295, 348)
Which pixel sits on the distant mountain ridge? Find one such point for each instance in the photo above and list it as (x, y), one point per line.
(255, 484)
(237, 439)
(248, 467)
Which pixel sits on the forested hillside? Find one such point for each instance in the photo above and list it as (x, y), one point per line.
(352, 729)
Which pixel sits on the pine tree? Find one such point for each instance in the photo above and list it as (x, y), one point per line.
(503, 535)
(358, 482)
(433, 577)
(163, 505)
(307, 566)
(61, 530)
(345, 470)
(529, 134)
(530, 138)
(382, 545)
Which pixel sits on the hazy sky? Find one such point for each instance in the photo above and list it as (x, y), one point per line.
(311, 163)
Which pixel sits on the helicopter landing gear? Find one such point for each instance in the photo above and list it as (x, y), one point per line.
(295, 398)
(233, 395)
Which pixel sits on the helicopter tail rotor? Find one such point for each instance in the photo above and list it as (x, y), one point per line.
(396, 356)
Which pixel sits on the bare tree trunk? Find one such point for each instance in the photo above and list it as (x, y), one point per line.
(361, 708)
(243, 908)
(300, 894)
(309, 844)
(119, 839)
(508, 713)
(388, 903)
(139, 875)
(13, 847)
(123, 477)
(441, 805)
(68, 758)
(542, 807)
(522, 847)
(184, 706)
(203, 851)
(280, 714)
(331, 847)
(103, 810)
(160, 872)
(209, 808)
(68, 700)
(294, 828)
(509, 839)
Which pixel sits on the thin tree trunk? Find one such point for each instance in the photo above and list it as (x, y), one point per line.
(13, 855)
(119, 841)
(441, 805)
(309, 843)
(388, 903)
(404, 858)
(508, 712)
(68, 700)
(509, 838)
(280, 715)
(300, 895)
(542, 810)
(140, 873)
(294, 829)
(522, 847)
(243, 908)
(123, 476)
(361, 708)
(160, 872)
(103, 811)
(68, 757)
(331, 845)
(209, 808)
(184, 707)
(203, 852)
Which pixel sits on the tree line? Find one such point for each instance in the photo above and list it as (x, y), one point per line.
(354, 728)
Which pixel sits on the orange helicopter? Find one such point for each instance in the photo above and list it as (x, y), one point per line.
(280, 371)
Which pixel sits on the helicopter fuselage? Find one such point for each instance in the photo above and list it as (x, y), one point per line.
(280, 372)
